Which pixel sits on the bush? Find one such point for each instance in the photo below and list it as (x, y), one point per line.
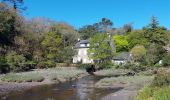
(46, 64)
(162, 94)
(133, 66)
(106, 65)
(166, 60)
(15, 61)
(4, 67)
(83, 66)
(145, 94)
(162, 78)
(150, 93)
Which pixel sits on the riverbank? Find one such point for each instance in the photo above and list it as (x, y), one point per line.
(22, 81)
(117, 78)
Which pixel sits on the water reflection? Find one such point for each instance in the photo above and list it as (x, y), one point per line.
(82, 89)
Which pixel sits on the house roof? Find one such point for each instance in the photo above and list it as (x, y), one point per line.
(122, 56)
(81, 42)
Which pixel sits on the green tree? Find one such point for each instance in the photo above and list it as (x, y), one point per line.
(51, 44)
(138, 53)
(156, 34)
(100, 49)
(66, 55)
(87, 31)
(158, 38)
(137, 38)
(16, 61)
(121, 43)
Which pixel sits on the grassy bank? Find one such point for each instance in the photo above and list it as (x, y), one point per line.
(111, 72)
(128, 82)
(159, 89)
(39, 75)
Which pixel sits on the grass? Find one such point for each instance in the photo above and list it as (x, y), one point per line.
(111, 72)
(38, 75)
(157, 93)
(159, 89)
(130, 82)
(13, 77)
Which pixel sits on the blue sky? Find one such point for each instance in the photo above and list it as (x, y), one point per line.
(82, 12)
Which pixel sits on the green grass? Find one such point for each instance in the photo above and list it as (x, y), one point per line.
(13, 77)
(111, 72)
(55, 74)
(157, 93)
(131, 82)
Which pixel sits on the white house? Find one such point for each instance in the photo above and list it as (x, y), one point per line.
(122, 58)
(82, 56)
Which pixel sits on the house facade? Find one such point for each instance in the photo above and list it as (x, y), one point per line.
(82, 55)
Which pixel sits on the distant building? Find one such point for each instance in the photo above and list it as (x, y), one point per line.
(82, 56)
(122, 58)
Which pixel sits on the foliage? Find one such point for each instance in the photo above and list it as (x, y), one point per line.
(100, 50)
(138, 53)
(166, 60)
(4, 67)
(154, 54)
(16, 61)
(150, 93)
(162, 78)
(83, 66)
(121, 43)
(51, 43)
(87, 31)
(156, 34)
(136, 38)
(66, 54)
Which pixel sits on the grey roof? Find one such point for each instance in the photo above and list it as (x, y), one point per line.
(81, 42)
(122, 56)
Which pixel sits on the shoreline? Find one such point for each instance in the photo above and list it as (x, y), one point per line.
(8, 87)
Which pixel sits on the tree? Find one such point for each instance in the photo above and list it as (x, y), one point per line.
(121, 43)
(100, 49)
(16, 3)
(66, 55)
(154, 54)
(127, 28)
(156, 34)
(137, 38)
(87, 31)
(51, 43)
(68, 34)
(158, 38)
(16, 61)
(138, 53)
(10, 24)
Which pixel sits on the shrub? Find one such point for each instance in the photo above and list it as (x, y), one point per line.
(166, 60)
(4, 67)
(15, 61)
(145, 94)
(133, 66)
(162, 94)
(106, 65)
(162, 78)
(150, 93)
(84, 66)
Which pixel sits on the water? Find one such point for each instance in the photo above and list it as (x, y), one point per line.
(82, 89)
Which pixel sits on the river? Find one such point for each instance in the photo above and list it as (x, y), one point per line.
(81, 89)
